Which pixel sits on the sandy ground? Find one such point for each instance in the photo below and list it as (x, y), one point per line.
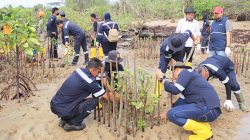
(32, 119)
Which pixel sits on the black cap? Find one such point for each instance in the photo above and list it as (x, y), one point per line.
(189, 10)
(176, 42)
(114, 56)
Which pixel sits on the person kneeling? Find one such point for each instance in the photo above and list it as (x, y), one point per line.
(198, 103)
(72, 102)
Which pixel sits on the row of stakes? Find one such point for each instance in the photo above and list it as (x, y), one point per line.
(138, 106)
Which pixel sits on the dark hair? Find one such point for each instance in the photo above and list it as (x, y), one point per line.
(54, 10)
(200, 68)
(59, 21)
(93, 15)
(94, 63)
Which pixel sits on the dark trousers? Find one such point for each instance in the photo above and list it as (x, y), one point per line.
(108, 46)
(232, 79)
(182, 111)
(204, 43)
(80, 41)
(79, 113)
(53, 48)
(187, 52)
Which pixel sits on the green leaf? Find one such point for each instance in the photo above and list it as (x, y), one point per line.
(34, 41)
(29, 52)
(32, 29)
(26, 45)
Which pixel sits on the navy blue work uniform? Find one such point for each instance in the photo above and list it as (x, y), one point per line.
(200, 101)
(223, 68)
(71, 103)
(218, 35)
(71, 29)
(53, 34)
(102, 38)
(205, 34)
(166, 54)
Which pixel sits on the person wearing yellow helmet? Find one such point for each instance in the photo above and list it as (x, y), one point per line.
(41, 14)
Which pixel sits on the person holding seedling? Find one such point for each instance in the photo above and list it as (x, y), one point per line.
(223, 68)
(73, 102)
(71, 29)
(198, 105)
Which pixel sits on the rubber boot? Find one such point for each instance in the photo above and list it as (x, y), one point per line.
(241, 102)
(86, 58)
(201, 130)
(75, 60)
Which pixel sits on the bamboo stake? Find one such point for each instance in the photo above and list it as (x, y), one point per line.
(135, 97)
(126, 102)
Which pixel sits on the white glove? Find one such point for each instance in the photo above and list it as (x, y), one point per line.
(229, 105)
(227, 51)
(66, 51)
(198, 47)
(97, 43)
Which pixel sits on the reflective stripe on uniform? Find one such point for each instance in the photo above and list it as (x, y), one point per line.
(211, 66)
(225, 81)
(66, 24)
(99, 93)
(84, 76)
(218, 33)
(108, 23)
(180, 87)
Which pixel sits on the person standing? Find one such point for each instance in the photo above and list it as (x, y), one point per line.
(94, 32)
(53, 32)
(108, 34)
(220, 34)
(189, 23)
(205, 32)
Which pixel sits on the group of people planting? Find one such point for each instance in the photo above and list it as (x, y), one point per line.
(198, 102)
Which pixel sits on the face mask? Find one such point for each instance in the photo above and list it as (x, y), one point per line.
(57, 14)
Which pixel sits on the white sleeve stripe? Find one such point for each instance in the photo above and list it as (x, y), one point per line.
(225, 81)
(99, 93)
(182, 96)
(66, 36)
(66, 25)
(211, 66)
(83, 75)
(180, 87)
(100, 34)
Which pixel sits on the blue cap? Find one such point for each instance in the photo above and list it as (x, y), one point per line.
(62, 13)
(107, 16)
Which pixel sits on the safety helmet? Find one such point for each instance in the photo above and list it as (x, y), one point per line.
(41, 14)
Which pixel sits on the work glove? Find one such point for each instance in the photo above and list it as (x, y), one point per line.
(66, 51)
(97, 43)
(229, 105)
(159, 74)
(227, 51)
(198, 47)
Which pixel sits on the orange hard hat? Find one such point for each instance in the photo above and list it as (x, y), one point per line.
(41, 14)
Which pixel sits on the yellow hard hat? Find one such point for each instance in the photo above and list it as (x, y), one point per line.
(41, 14)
